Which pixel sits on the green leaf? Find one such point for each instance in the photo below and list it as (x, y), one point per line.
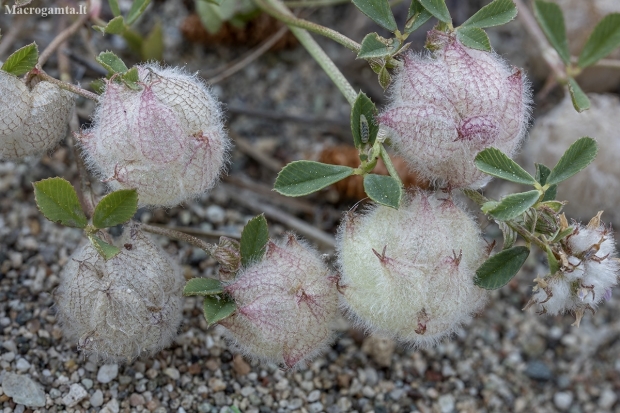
(562, 234)
(510, 235)
(475, 196)
(116, 10)
(416, 17)
(153, 44)
(577, 157)
(383, 189)
(551, 20)
(438, 9)
(58, 202)
(305, 177)
(385, 78)
(555, 206)
(495, 13)
(379, 11)
(104, 249)
(111, 62)
(216, 308)
(202, 286)
(498, 270)
(209, 16)
(542, 172)
(374, 45)
(474, 38)
(98, 86)
(580, 100)
(115, 208)
(22, 60)
(137, 8)
(364, 129)
(495, 163)
(254, 238)
(554, 265)
(114, 26)
(511, 206)
(550, 194)
(131, 78)
(603, 40)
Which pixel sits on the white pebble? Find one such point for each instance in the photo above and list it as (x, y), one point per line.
(22, 365)
(216, 214)
(107, 373)
(172, 373)
(96, 399)
(76, 394)
(446, 403)
(607, 399)
(563, 399)
(314, 396)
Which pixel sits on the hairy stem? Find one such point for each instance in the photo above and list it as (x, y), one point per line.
(63, 85)
(279, 11)
(181, 236)
(313, 48)
(385, 157)
(529, 237)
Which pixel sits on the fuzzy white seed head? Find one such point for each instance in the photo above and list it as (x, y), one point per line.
(448, 106)
(123, 308)
(408, 273)
(33, 120)
(587, 277)
(285, 305)
(166, 140)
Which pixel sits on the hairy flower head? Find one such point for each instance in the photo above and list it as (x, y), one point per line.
(408, 273)
(285, 305)
(448, 106)
(166, 140)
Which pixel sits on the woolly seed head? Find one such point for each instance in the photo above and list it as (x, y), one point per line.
(123, 308)
(408, 273)
(590, 272)
(33, 120)
(285, 305)
(448, 106)
(167, 140)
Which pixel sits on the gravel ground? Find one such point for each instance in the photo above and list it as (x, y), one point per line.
(505, 360)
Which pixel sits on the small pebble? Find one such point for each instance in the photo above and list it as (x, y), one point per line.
(607, 399)
(22, 365)
(76, 394)
(314, 396)
(315, 407)
(215, 214)
(172, 373)
(96, 399)
(446, 403)
(563, 399)
(107, 373)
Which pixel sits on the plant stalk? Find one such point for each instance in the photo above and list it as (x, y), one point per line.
(181, 236)
(63, 85)
(311, 46)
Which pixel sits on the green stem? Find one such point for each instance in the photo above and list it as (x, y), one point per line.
(279, 11)
(312, 46)
(389, 166)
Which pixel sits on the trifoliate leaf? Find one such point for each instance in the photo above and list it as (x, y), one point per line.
(379, 11)
(603, 40)
(576, 158)
(551, 20)
(495, 163)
